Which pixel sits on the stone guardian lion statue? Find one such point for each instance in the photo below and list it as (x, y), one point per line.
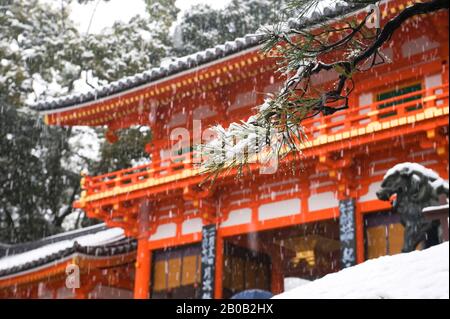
(415, 187)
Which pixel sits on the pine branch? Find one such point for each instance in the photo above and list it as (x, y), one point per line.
(283, 113)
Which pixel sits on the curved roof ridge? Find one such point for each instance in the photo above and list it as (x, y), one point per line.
(7, 249)
(187, 62)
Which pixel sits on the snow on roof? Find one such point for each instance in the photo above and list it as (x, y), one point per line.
(77, 232)
(168, 68)
(100, 238)
(419, 274)
(15, 249)
(432, 209)
(408, 167)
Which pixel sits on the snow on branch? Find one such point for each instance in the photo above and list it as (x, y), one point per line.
(350, 47)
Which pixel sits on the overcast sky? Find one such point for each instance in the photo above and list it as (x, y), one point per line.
(105, 13)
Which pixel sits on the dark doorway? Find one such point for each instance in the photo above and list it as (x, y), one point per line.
(244, 269)
(264, 260)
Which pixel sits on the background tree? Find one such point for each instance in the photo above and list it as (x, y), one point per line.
(37, 58)
(42, 55)
(36, 188)
(33, 60)
(128, 151)
(203, 27)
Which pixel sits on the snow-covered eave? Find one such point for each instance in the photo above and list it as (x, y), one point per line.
(23, 247)
(102, 244)
(60, 261)
(182, 66)
(138, 88)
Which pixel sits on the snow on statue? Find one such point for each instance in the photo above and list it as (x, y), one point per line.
(416, 187)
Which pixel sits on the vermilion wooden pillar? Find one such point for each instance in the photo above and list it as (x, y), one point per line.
(142, 275)
(359, 225)
(81, 293)
(277, 278)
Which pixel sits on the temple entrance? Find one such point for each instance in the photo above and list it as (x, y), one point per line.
(176, 273)
(383, 234)
(271, 259)
(244, 269)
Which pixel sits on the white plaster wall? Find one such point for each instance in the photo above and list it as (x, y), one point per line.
(238, 217)
(43, 292)
(418, 45)
(203, 112)
(433, 80)
(193, 225)
(322, 201)
(371, 194)
(65, 293)
(365, 99)
(164, 231)
(279, 209)
(177, 119)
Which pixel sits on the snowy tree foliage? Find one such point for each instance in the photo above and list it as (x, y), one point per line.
(203, 27)
(130, 47)
(38, 57)
(129, 148)
(34, 54)
(35, 188)
(42, 54)
(125, 49)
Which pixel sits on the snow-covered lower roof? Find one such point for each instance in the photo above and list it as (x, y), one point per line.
(103, 242)
(335, 9)
(6, 249)
(419, 274)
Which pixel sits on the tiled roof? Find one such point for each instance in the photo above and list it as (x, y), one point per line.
(7, 250)
(95, 241)
(185, 63)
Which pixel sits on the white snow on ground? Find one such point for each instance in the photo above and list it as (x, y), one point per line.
(419, 275)
(294, 282)
(102, 237)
